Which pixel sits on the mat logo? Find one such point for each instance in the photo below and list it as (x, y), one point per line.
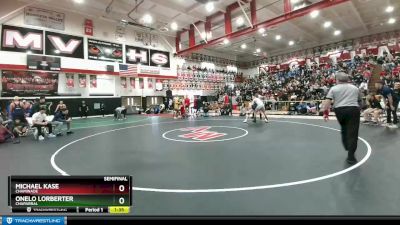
(9, 220)
(201, 133)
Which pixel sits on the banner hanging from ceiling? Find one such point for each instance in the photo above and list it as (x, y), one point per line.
(44, 18)
(133, 82)
(93, 81)
(82, 80)
(124, 84)
(70, 80)
(40, 62)
(19, 39)
(29, 83)
(147, 57)
(104, 51)
(64, 45)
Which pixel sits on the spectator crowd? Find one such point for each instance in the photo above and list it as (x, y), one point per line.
(311, 83)
(23, 116)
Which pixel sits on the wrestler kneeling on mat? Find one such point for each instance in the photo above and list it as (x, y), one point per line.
(256, 106)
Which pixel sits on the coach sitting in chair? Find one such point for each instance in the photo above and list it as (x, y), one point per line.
(39, 121)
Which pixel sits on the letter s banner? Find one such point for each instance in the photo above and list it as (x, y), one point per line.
(159, 58)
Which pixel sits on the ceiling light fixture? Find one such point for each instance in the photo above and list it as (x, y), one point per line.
(210, 6)
(389, 9)
(258, 50)
(79, 1)
(261, 30)
(174, 26)
(240, 21)
(314, 14)
(291, 43)
(226, 41)
(243, 46)
(391, 21)
(337, 32)
(278, 37)
(147, 19)
(327, 24)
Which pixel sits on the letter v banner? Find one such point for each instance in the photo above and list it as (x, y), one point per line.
(64, 45)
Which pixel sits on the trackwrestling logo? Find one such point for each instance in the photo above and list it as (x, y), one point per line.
(33, 220)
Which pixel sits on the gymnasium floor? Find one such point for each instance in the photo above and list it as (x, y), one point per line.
(290, 166)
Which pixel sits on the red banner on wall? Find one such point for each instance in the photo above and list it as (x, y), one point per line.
(88, 27)
(70, 80)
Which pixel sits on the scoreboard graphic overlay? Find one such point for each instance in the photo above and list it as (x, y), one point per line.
(73, 194)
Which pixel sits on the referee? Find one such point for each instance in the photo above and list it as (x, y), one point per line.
(346, 103)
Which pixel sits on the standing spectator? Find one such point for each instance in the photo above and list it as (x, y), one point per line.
(44, 104)
(226, 99)
(195, 106)
(84, 109)
(176, 107)
(39, 121)
(187, 104)
(102, 108)
(392, 103)
(35, 107)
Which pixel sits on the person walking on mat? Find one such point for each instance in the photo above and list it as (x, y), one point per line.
(346, 103)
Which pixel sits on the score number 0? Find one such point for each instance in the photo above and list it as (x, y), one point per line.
(121, 200)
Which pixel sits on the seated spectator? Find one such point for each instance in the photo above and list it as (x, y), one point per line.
(374, 108)
(27, 107)
(20, 128)
(301, 108)
(17, 110)
(5, 121)
(39, 121)
(61, 117)
(312, 108)
(60, 106)
(6, 134)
